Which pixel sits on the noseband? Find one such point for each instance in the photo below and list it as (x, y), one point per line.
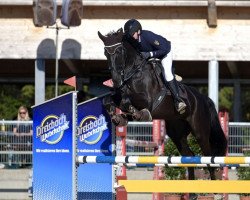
(111, 49)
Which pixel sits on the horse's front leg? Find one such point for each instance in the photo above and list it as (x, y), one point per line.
(110, 106)
(137, 115)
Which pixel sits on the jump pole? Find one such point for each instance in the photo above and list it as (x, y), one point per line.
(121, 173)
(224, 120)
(164, 160)
(185, 186)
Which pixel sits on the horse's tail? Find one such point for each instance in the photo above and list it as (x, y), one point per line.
(218, 141)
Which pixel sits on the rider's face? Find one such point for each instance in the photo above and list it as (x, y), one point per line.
(136, 35)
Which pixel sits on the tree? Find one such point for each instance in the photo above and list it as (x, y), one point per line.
(226, 98)
(12, 97)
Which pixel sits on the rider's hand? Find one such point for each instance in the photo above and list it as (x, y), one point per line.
(145, 55)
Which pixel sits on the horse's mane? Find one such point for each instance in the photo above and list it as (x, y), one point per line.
(113, 37)
(125, 38)
(132, 42)
(111, 33)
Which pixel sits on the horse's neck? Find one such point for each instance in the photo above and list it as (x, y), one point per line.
(130, 61)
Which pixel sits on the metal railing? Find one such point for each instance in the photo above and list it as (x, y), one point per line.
(239, 138)
(16, 143)
(139, 132)
(16, 140)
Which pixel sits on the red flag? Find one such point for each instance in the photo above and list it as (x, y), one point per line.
(71, 81)
(108, 83)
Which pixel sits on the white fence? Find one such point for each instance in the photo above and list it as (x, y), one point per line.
(16, 140)
(16, 143)
(139, 132)
(239, 138)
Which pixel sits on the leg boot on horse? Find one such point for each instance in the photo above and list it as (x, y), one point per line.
(143, 115)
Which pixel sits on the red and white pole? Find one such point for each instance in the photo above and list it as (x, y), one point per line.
(159, 132)
(121, 132)
(224, 120)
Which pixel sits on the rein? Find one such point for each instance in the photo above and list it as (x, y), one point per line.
(134, 71)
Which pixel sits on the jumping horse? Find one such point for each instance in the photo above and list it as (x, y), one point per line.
(141, 95)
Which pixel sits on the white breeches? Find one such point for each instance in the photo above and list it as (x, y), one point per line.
(167, 65)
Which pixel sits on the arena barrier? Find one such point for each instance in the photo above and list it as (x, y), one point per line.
(233, 166)
(67, 134)
(185, 186)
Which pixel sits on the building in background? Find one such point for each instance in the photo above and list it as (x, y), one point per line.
(210, 39)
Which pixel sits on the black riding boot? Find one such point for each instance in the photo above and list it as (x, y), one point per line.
(179, 103)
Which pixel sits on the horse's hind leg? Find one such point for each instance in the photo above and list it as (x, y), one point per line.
(183, 148)
(202, 135)
(207, 152)
(178, 132)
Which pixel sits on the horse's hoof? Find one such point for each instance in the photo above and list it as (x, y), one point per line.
(119, 120)
(123, 122)
(115, 120)
(146, 115)
(143, 115)
(136, 116)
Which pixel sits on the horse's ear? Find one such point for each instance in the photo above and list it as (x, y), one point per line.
(120, 32)
(102, 37)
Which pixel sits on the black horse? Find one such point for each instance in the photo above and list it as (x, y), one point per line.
(138, 91)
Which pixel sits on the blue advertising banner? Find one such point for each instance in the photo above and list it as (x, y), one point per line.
(94, 134)
(54, 125)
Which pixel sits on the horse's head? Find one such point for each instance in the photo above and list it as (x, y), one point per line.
(116, 55)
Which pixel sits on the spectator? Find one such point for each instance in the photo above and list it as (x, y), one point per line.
(23, 136)
(22, 129)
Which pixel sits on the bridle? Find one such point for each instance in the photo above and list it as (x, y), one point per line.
(111, 50)
(117, 45)
(125, 74)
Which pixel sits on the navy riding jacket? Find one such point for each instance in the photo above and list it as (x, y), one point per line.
(151, 42)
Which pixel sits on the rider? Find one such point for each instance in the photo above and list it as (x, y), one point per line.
(152, 45)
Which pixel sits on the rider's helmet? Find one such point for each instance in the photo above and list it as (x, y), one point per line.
(132, 26)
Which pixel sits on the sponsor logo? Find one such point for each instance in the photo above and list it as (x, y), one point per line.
(91, 129)
(52, 128)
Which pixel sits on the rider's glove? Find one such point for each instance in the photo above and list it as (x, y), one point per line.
(145, 55)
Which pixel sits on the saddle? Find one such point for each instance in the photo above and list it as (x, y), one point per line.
(159, 70)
